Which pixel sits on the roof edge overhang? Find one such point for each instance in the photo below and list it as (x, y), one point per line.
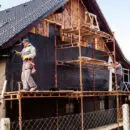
(107, 28)
(12, 40)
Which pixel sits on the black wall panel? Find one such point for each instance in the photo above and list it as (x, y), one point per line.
(68, 76)
(44, 61)
(73, 53)
(93, 79)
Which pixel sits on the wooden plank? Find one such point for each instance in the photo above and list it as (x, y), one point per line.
(86, 60)
(93, 61)
(62, 94)
(87, 30)
(109, 127)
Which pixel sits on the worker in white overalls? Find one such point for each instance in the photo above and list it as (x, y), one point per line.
(27, 54)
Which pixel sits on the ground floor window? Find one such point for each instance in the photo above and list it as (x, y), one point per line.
(102, 105)
(69, 108)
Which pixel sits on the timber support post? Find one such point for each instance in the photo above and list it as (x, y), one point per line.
(20, 106)
(117, 96)
(80, 68)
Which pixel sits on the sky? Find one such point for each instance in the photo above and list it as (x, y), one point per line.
(116, 12)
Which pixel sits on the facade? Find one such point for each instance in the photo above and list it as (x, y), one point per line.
(73, 43)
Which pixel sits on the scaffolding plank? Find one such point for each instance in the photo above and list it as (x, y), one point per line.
(109, 127)
(62, 46)
(85, 61)
(87, 30)
(61, 94)
(93, 61)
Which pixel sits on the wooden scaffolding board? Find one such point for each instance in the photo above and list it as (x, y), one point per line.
(41, 94)
(86, 30)
(60, 94)
(109, 127)
(85, 60)
(67, 45)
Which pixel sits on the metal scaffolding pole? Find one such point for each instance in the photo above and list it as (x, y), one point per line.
(56, 85)
(55, 57)
(80, 68)
(117, 96)
(57, 115)
(20, 107)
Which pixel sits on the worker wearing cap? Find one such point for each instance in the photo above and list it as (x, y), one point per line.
(27, 54)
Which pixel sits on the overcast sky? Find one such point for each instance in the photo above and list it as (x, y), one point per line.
(117, 13)
(10, 3)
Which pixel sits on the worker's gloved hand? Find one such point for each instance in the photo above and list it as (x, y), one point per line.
(16, 52)
(25, 57)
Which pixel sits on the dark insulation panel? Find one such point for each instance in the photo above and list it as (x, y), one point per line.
(44, 108)
(73, 53)
(68, 78)
(94, 77)
(44, 61)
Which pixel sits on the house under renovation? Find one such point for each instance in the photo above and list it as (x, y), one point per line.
(76, 52)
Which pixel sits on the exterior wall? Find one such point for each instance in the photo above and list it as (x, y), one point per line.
(44, 63)
(2, 72)
(68, 74)
(2, 79)
(99, 103)
(67, 19)
(74, 11)
(98, 111)
(43, 108)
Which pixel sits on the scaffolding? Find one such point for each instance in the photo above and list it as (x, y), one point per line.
(83, 32)
(79, 33)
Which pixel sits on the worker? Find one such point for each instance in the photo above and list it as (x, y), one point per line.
(119, 75)
(28, 54)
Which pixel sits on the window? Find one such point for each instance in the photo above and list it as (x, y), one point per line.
(102, 105)
(69, 108)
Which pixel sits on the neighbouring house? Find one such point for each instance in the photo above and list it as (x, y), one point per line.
(73, 43)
